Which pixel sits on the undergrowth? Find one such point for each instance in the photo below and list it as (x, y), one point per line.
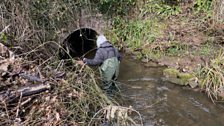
(212, 77)
(162, 8)
(135, 33)
(34, 30)
(76, 99)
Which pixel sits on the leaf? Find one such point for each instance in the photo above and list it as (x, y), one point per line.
(3, 38)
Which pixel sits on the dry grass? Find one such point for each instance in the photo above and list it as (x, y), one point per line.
(34, 30)
(212, 77)
(32, 23)
(218, 10)
(73, 99)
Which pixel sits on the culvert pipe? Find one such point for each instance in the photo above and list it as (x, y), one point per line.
(79, 43)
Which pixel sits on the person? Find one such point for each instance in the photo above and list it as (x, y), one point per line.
(108, 58)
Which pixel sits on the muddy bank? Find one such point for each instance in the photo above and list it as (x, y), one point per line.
(186, 49)
(190, 71)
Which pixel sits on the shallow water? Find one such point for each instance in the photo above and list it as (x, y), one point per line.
(162, 103)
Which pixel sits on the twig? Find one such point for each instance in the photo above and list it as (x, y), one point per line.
(18, 106)
(4, 29)
(23, 103)
(60, 65)
(39, 73)
(82, 68)
(105, 108)
(6, 110)
(150, 106)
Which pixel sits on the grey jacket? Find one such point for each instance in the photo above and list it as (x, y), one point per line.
(105, 51)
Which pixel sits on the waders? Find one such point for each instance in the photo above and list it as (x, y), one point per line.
(109, 71)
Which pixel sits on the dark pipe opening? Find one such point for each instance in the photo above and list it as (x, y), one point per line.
(78, 43)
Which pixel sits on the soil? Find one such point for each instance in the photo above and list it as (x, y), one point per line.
(188, 30)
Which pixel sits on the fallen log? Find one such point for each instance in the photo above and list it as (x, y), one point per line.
(9, 96)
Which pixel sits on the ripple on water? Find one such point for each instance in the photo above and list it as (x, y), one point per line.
(143, 89)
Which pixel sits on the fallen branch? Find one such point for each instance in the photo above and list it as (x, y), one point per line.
(10, 96)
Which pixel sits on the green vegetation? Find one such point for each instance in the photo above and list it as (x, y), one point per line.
(177, 77)
(206, 49)
(204, 6)
(34, 29)
(113, 7)
(141, 31)
(212, 77)
(162, 8)
(3, 37)
(136, 33)
(147, 32)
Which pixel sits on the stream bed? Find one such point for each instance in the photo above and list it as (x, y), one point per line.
(161, 103)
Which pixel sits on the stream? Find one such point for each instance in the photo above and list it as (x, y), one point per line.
(162, 103)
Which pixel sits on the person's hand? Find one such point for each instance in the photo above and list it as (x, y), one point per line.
(80, 62)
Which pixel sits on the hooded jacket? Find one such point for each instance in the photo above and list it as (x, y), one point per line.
(100, 40)
(105, 51)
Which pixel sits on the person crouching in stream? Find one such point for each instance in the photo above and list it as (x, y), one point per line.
(108, 59)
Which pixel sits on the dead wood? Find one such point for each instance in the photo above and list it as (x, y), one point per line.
(9, 96)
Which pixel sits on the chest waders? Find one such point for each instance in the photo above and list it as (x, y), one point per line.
(109, 71)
